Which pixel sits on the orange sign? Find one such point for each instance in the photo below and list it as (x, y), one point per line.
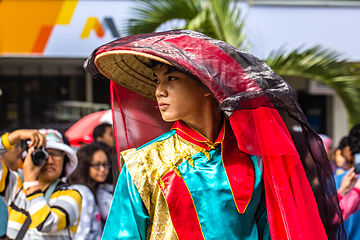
(27, 25)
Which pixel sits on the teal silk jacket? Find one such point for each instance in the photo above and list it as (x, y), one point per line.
(183, 186)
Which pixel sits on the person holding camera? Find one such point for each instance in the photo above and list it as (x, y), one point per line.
(350, 199)
(44, 207)
(9, 182)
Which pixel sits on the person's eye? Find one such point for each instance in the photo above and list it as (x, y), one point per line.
(156, 81)
(171, 78)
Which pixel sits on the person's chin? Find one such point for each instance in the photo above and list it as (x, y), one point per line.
(100, 180)
(49, 177)
(168, 118)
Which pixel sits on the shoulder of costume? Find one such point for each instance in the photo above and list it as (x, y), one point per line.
(147, 148)
(149, 161)
(161, 138)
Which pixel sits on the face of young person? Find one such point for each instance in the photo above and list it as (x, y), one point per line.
(108, 137)
(99, 167)
(178, 96)
(53, 166)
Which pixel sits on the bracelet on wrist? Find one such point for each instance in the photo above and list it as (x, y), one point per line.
(28, 185)
(5, 141)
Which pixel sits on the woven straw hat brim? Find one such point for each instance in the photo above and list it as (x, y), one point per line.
(129, 69)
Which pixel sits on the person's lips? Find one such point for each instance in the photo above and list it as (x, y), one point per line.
(163, 106)
(48, 168)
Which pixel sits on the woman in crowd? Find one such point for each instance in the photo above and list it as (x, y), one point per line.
(92, 170)
(344, 159)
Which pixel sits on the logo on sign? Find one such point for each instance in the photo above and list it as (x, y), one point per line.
(93, 24)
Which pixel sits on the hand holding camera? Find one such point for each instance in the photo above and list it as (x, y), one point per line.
(35, 138)
(31, 171)
(39, 156)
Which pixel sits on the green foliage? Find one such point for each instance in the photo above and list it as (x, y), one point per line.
(326, 67)
(216, 18)
(151, 14)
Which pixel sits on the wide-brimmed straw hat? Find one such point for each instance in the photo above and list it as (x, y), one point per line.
(129, 69)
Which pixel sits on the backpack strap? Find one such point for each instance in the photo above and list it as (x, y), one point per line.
(50, 190)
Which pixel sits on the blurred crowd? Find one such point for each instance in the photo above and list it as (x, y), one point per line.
(345, 162)
(50, 190)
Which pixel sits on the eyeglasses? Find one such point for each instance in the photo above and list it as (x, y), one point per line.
(97, 166)
(56, 154)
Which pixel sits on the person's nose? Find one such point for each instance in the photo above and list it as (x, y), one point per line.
(161, 90)
(50, 159)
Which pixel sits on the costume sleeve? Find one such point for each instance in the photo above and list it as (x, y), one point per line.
(63, 213)
(128, 217)
(350, 203)
(262, 220)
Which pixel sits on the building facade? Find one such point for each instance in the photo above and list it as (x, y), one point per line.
(43, 44)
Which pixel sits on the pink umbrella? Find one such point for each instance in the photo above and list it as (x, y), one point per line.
(81, 131)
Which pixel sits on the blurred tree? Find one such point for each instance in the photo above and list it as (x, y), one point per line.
(221, 19)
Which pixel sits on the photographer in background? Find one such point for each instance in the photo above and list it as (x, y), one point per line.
(9, 182)
(9, 140)
(43, 206)
(354, 144)
(350, 198)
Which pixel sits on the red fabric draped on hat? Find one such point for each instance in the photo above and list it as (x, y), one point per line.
(262, 110)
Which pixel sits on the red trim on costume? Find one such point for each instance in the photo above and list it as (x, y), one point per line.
(193, 136)
(235, 162)
(181, 207)
(291, 206)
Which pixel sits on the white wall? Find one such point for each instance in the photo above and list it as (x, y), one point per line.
(273, 27)
(340, 120)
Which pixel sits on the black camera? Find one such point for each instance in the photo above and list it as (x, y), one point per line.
(39, 156)
(357, 163)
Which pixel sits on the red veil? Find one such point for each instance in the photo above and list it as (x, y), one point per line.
(300, 192)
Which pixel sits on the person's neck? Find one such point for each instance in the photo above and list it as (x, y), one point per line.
(44, 185)
(208, 123)
(348, 165)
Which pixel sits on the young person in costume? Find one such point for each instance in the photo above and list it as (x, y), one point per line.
(240, 161)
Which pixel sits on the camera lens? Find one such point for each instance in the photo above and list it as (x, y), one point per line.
(39, 156)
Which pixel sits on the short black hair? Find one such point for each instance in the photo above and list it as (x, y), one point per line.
(344, 142)
(100, 129)
(354, 139)
(153, 63)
